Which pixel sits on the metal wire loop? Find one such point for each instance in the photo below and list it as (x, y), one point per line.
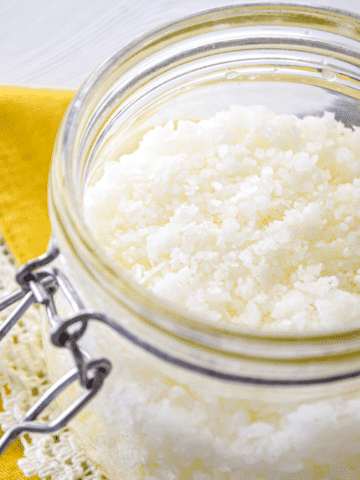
(44, 287)
(100, 369)
(69, 331)
(61, 336)
(26, 273)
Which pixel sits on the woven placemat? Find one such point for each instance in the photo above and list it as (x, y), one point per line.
(23, 380)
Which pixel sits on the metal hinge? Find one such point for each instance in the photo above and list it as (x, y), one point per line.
(38, 284)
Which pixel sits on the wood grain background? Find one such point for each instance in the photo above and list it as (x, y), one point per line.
(57, 43)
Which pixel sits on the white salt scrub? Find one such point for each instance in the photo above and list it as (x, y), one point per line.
(248, 218)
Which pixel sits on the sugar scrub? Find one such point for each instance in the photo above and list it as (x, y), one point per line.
(248, 218)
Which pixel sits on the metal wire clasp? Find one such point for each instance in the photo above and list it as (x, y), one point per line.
(38, 284)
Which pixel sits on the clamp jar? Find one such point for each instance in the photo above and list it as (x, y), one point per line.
(187, 399)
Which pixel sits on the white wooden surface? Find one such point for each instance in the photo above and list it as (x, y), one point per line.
(57, 43)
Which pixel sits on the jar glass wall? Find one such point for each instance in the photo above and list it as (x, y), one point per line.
(187, 398)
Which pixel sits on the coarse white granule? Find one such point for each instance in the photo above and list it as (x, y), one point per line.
(248, 217)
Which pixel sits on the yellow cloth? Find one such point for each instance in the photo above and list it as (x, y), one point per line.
(29, 120)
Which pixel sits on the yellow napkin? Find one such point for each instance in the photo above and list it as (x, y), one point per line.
(29, 120)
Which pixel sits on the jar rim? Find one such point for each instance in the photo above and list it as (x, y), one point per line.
(68, 213)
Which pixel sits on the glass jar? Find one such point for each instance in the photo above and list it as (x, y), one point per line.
(188, 399)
